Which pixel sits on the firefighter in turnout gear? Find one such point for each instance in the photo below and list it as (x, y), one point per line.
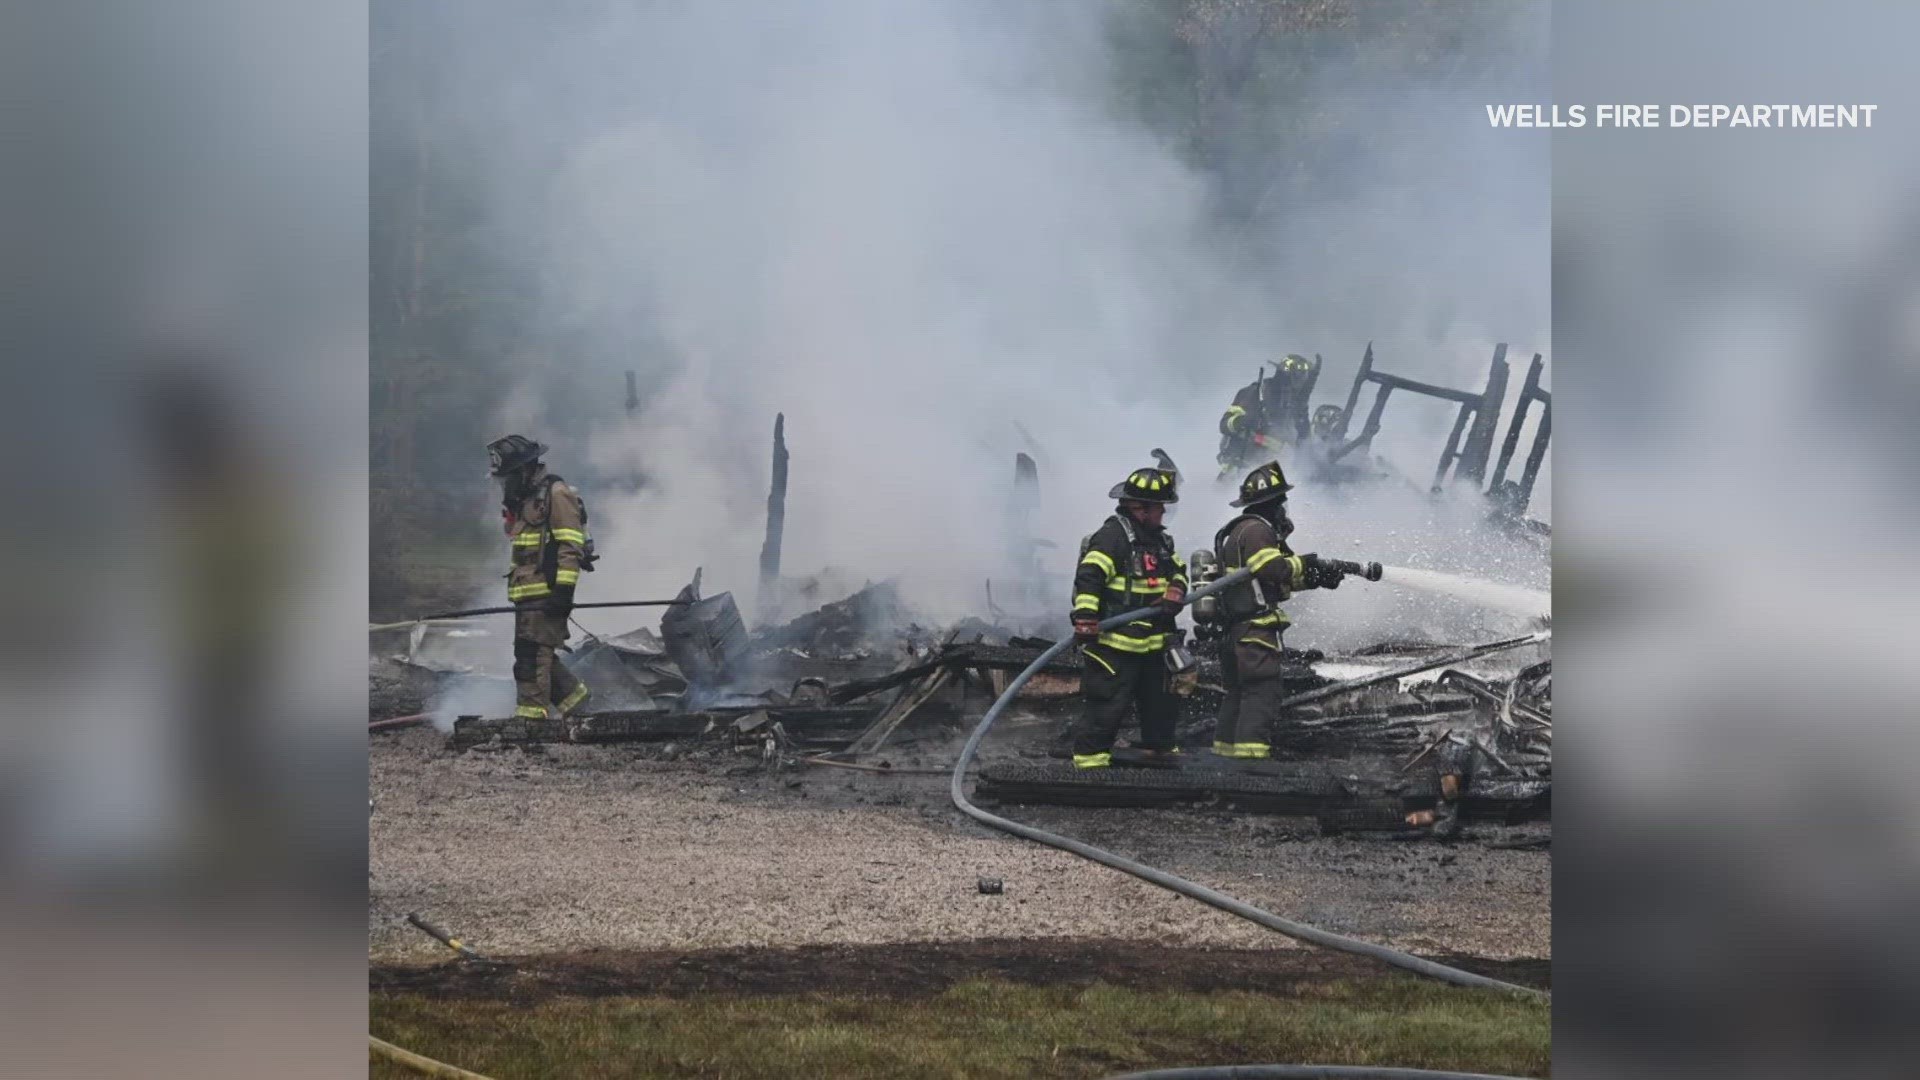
(1250, 653)
(546, 524)
(1267, 412)
(1127, 564)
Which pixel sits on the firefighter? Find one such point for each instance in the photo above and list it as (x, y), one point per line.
(1326, 423)
(546, 524)
(1127, 564)
(1265, 413)
(1250, 654)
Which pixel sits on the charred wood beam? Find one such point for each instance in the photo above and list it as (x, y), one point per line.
(1529, 390)
(776, 520)
(1486, 419)
(1538, 454)
(1368, 431)
(981, 657)
(1353, 395)
(1488, 694)
(836, 724)
(1400, 382)
(871, 739)
(1269, 789)
(1451, 452)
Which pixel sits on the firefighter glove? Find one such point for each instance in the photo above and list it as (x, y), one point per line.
(1086, 629)
(1170, 603)
(1322, 573)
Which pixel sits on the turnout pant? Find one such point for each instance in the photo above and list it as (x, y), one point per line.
(540, 680)
(1250, 667)
(1114, 683)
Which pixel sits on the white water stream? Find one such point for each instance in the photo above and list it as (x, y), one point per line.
(1513, 599)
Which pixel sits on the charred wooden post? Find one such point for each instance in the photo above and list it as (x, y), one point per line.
(1026, 484)
(1538, 454)
(1024, 547)
(1486, 418)
(1529, 391)
(776, 523)
(1451, 452)
(633, 395)
(1353, 395)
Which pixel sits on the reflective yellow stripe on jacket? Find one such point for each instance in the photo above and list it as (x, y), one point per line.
(1296, 566)
(1126, 643)
(1088, 602)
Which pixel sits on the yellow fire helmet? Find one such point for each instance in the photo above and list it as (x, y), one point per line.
(1146, 485)
(1263, 484)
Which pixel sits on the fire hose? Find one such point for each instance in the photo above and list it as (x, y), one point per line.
(510, 608)
(419, 1063)
(1296, 930)
(1304, 1073)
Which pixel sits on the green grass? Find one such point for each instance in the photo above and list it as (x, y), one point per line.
(977, 1029)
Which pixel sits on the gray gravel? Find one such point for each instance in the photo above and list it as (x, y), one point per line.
(585, 847)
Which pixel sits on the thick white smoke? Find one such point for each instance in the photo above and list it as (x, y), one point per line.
(917, 229)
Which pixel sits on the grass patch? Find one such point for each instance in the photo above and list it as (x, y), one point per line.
(976, 1029)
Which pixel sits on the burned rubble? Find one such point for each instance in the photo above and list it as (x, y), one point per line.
(855, 676)
(861, 675)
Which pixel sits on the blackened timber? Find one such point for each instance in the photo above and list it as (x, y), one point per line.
(982, 657)
(1399, 382)
(649, 726)
(776, 520)
(1486, 419)
(1540, 436)
(869, 740)
(1528, 391)
(1275, 788)
(1451, 452)
(821, 725)
(1353, 395)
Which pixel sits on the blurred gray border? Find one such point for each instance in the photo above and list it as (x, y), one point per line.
(1735, 329)
(182, 777)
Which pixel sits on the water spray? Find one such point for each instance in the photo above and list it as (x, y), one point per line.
(1513, 599)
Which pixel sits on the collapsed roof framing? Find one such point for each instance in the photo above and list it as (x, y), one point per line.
(1469, 445)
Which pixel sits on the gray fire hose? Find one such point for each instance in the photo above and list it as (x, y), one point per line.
(1304, 1073)
(1296, 930)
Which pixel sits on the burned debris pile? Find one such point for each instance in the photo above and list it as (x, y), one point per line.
(706, 639)
(866, 621)
(1390, 757)
(845, 676)
(859, 675)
